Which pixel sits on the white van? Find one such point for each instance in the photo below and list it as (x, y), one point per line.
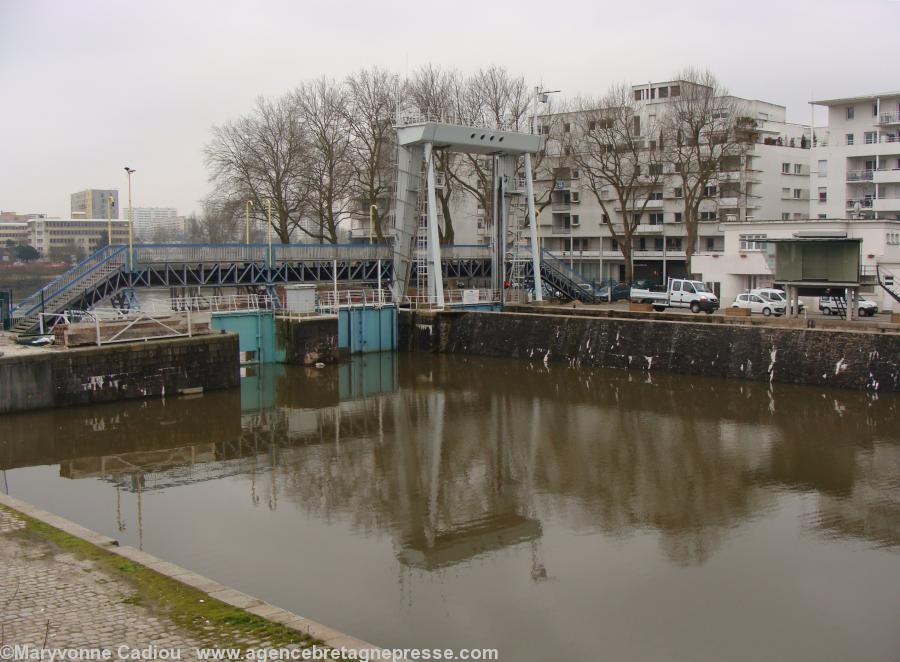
(693, 294)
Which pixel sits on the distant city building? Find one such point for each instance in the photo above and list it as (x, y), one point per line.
(856, 163)
(14, 217)
(92, 203)
(151, 222)
(76, 234)
(13, 232)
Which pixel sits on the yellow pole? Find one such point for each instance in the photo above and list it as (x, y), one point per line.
(269, 230)
(109, 201)
(249, 204)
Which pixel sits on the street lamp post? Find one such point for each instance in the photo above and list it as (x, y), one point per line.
(109, 203)
(249, 204)
(543, 96)
(130, 172)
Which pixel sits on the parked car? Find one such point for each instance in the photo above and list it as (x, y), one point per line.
(776, 296)
(683, 293)
(756, 303)
(619, 291)
(838, 306)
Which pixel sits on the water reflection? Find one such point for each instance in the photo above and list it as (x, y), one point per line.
(456, 458)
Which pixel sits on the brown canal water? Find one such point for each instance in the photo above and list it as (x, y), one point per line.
(552, 513)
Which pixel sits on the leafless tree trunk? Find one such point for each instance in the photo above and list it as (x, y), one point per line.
(609, 141)
(704, 131)
(260, 157)
(371, 107)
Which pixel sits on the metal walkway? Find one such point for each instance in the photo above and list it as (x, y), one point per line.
(110, 271)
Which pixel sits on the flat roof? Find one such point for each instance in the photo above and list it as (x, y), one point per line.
(840, 102)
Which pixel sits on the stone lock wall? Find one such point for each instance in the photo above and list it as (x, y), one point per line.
(118, 372)
(307, 341)
(844, 359)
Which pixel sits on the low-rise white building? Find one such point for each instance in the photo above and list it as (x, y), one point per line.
(742, 265)
(74, 234)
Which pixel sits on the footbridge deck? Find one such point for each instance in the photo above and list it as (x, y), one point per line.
(114, 269)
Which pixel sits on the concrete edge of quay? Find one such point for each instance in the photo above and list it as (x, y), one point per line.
(252, 605)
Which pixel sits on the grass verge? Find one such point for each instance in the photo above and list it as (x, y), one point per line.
(211, 621)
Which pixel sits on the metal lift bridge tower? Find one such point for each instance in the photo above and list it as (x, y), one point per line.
(417, 140)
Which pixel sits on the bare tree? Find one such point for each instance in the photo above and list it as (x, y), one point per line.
(221, 221)
(371, 106)
(490, 97)
(608, 140)
(261, 157)
(327, 170)
(704, 131)
(432, 90)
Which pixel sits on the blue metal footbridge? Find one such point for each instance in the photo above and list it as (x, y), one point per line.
(113, 270)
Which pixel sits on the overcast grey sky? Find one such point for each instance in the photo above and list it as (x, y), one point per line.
(89, 86)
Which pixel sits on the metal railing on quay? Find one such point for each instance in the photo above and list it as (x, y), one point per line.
(329, 301)
(452, 297)
(168, 253)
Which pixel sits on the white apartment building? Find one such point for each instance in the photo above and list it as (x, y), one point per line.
(150, 222)
(742, 265)
(856, 162)
(771, 180)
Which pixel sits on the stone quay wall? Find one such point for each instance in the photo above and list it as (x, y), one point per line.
(86, 375)
(819, 357)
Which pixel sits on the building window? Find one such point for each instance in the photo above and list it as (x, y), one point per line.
(678, 193)
(797, 193)
(823, 215)
(656, 169)
(870, 137)
(798, 169)
(615, 245)
(850, 112)
(658, 244)
(786, 168)
(678, 217)
(823, 168)
(710, 191)
(673, 243)
(823, 194)
(576, 174)
(656, 195)
(785, 193)
(636, 218)
(710, 243)
(708, 216)
(875, 109)
(567, 127)
(656, 218)
(849, 138)
(753, 242)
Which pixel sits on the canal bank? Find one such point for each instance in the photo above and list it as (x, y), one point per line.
(53, 567)
(820, 357)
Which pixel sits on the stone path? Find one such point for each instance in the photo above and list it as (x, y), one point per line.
(56, 600)
(69, 603)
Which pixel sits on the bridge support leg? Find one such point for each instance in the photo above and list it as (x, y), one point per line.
(532, 231)
(436, 279)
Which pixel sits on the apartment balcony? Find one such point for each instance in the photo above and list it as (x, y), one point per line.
(577, 253)
(860, 175)
(648, 228)
(729, 202)
(864, 203)
(886, 204)
(561, 229)
(887, 176)
(637, 205)
(739, 176)
(565, 184)
(889, 119)
(561, 206)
